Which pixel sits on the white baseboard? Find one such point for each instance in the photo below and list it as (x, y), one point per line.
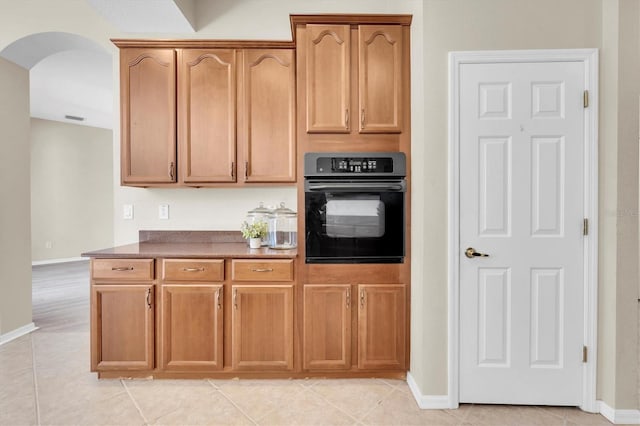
(18, 332)
(618, 417)
(53, 261)
(428, 402)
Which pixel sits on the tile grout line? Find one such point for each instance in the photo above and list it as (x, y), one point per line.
(356, 420)
(135, 403)
(228, 398)
(35, 379)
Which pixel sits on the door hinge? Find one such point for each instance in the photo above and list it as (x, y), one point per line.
(585, 99)
(584, 354)
(585, 226)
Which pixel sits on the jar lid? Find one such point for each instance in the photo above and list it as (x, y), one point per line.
(261, 210)
(283, 211)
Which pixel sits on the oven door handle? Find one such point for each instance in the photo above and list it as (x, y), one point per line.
(357, 186)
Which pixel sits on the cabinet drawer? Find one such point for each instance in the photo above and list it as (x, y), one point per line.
(266, 270)
(122, 269)
(193, 270)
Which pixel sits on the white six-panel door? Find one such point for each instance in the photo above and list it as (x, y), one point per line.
(521, 202)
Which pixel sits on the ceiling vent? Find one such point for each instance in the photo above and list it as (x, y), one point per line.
(74, 117)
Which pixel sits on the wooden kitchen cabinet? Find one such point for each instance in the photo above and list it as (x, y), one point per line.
(207, 115)
(148, 123)
(122, 314)
(328, 78)
(327, 327)
(262, 336)
(192, 327)
(268, 115)
(122, 326)
(377, 67)
(192, 314)
(236, 115)
(381, 326)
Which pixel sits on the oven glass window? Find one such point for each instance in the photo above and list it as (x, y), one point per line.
(354, 227)
(357, 217)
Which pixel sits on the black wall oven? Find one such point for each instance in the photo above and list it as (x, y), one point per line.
(355, 207)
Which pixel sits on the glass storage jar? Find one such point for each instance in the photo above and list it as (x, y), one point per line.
(283, 228)
(260, 214)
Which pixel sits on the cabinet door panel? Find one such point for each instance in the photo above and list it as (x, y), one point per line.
(327, 79)
(122, 329)
(148, 108)
(192, 319)
(381, 326)
(262, 327)
(327, 327)
(380, 73)
(207, 115)
(268, 118)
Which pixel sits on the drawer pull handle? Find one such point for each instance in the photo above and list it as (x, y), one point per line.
(122, 268)
(262, 270)
(193, 269)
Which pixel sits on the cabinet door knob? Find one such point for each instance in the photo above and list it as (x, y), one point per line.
(233, 171)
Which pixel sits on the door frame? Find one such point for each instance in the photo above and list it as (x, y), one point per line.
(589, 59)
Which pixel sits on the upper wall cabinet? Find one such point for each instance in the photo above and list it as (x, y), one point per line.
(148, 102)
(207, 115)
(230, 117)
(268, 117)
(370, 54)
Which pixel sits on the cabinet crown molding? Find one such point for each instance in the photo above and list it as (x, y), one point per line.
(202, 44)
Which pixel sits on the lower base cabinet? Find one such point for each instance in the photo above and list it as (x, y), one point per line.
(262, 323)
(192, 327)
(381, 326)
(327, 327)
(122, 327)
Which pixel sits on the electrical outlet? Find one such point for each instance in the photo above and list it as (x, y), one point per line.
(163, 211)
(48, 244)
(127, 211)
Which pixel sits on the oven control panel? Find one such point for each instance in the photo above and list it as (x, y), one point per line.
(336, 165)
(369, 165)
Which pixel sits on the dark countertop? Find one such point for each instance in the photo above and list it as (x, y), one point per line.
(190, 244)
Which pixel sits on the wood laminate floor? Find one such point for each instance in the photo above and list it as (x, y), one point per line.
(45, 380)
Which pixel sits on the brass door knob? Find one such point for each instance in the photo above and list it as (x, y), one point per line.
(471, 253)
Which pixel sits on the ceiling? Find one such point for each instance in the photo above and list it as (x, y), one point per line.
(73, 76)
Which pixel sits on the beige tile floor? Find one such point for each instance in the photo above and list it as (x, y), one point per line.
(44, 380)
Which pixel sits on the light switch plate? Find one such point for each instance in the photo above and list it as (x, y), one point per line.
(163, 211)
(127, 211)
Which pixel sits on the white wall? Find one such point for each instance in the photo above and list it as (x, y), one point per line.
(15, 241)
(71, 189)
